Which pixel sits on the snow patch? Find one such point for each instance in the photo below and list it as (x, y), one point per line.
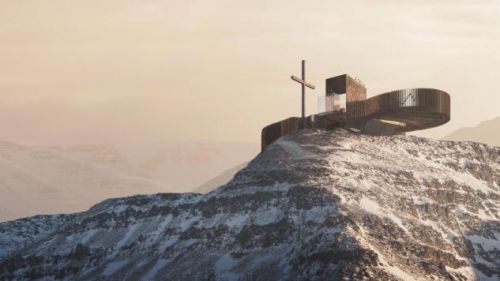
(167, 243)
(268, 216)
(373, 207)
(224, 266)
(127, 236)
(295, 151)
(237, 220)
(399, 273)
(161, 263)
(486, 243)
(113, 267)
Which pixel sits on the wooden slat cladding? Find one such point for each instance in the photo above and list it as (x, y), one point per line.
(407, 100)
(403, 110)
(276, 130)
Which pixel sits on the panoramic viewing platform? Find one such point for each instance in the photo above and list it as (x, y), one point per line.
(347, 106)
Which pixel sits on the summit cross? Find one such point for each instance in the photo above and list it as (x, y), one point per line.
(304, 84)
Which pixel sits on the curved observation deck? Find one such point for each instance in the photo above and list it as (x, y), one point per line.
(401, 111)
(385, 114)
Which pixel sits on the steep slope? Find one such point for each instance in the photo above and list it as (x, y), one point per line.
(219, 180)
(486, 132)
(314, 206)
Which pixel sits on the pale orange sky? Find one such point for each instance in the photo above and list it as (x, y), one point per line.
(86, 71)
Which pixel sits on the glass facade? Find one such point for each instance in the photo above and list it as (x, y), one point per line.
(321, 104)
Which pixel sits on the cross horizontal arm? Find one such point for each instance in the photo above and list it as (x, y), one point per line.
(307, 84)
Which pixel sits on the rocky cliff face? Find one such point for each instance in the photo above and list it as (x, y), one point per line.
(314, 206)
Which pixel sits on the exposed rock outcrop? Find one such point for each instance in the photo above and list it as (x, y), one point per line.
(315, 205)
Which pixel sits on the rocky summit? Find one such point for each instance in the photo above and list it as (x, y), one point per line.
(316, 205)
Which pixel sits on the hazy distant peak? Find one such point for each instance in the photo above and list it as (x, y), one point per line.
(486, 132)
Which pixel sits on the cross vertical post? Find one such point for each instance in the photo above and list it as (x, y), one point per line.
(303, 89)
(303, 84)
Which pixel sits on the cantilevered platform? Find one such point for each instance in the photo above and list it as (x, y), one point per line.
(401, 111)
(385, 114)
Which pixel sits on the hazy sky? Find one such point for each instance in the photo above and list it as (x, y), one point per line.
(86, 71)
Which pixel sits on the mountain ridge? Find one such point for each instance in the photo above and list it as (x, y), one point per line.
(314, 206)
(220, 179)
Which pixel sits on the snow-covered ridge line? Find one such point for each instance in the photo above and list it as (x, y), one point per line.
(382, 208)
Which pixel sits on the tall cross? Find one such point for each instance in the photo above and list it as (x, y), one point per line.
(304, 84)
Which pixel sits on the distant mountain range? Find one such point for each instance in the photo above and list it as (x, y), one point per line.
(38, 179)
(186, 166)
(486, 132)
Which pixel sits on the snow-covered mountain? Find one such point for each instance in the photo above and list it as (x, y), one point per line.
(37, 179)
(314, 206)
(220, 179)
